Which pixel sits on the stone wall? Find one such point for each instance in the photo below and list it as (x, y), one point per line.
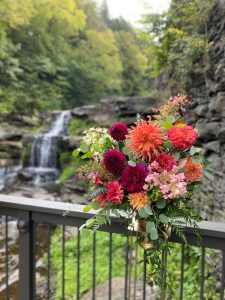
(208, 113)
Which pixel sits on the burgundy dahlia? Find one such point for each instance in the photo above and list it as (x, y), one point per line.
(114, 161)
(165, 161)
(133, 178)
(119, 131)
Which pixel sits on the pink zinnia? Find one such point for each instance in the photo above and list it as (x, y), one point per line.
(182, 137)
(119, 131)
(114, 161)
(114, 192)
(165, 161)
(133, 178)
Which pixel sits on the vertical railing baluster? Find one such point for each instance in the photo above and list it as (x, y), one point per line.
(94, 266)
(63, 262)
(202, 274)
(78, 264)
(223, 276)
(26, 255)
(126, 268)
(182, 272)
(34, 237)
(144, 275)
(49, 263)
(110, 266)
(6, 259)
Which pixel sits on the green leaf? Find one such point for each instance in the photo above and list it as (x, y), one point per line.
(89, 154)
(126, 151)
(96, 205)
(167, 125)
(90, 223)
(161, 203)
(176, 156)
(84, 147)
(163, 218)
(75, 153)
(170, 119)
(87, 208)
(194, 150)
(142, 213)
(167, 144)
(183, 163)
(149, 226)
(108, 142)
(154, 234)
(86, 233)
(132, 163)
(148, 209)
(197, 159)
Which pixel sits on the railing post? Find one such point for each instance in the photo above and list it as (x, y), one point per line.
(26, 259)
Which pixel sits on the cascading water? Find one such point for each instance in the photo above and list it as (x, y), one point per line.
(44, 152)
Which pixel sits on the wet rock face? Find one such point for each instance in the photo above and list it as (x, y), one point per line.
(208, 115)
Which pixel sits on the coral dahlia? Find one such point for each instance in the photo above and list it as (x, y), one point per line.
(119, 131)
(165, 161)
(133, 178)
(102, 198)
(114, 161)
(138, 200)
(182, 137)
(193, 172)
(145, 139)
(114, 192)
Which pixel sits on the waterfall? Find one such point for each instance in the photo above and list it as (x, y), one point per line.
(44, 151)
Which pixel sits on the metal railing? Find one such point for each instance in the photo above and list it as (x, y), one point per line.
(30, 213)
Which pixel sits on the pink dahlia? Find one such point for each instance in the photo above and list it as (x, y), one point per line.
(114, 192)
(182, 137)
(133, 178)
(165, 161)
(114, 161)
(119, 131)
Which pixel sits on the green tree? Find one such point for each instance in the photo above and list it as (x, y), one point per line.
(134, 64)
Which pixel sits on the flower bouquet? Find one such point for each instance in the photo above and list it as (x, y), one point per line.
(146, 174)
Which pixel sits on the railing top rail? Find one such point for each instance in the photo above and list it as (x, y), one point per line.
(206, 228)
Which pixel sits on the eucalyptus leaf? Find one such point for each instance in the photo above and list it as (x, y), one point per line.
(176, 156)
(197, 159)
(167, 144)
(90, 223)
(132, 163)
(87, 208)
(163, 218)
(89, 154)
(95, 205)
(142, 213)
(75, 153)
(161, 203)
(183, 163)
(149, 226)
(148, 209)
(167, 125)
(170, 119)
(84, 147)
(154, 234)
(194, 150)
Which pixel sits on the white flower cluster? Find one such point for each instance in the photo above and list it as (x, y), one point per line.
(95, 138)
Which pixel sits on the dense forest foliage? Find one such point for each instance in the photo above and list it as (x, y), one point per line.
(176, 44)
(58, 54)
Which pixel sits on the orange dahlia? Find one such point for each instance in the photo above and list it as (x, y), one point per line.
(138, 200)
(193, 172)
(145, 139)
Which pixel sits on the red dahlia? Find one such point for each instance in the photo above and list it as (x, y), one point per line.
(182, 137)
(119, 131)
(114, 161)
(114, 192)
(133, 178)
(165, 161)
